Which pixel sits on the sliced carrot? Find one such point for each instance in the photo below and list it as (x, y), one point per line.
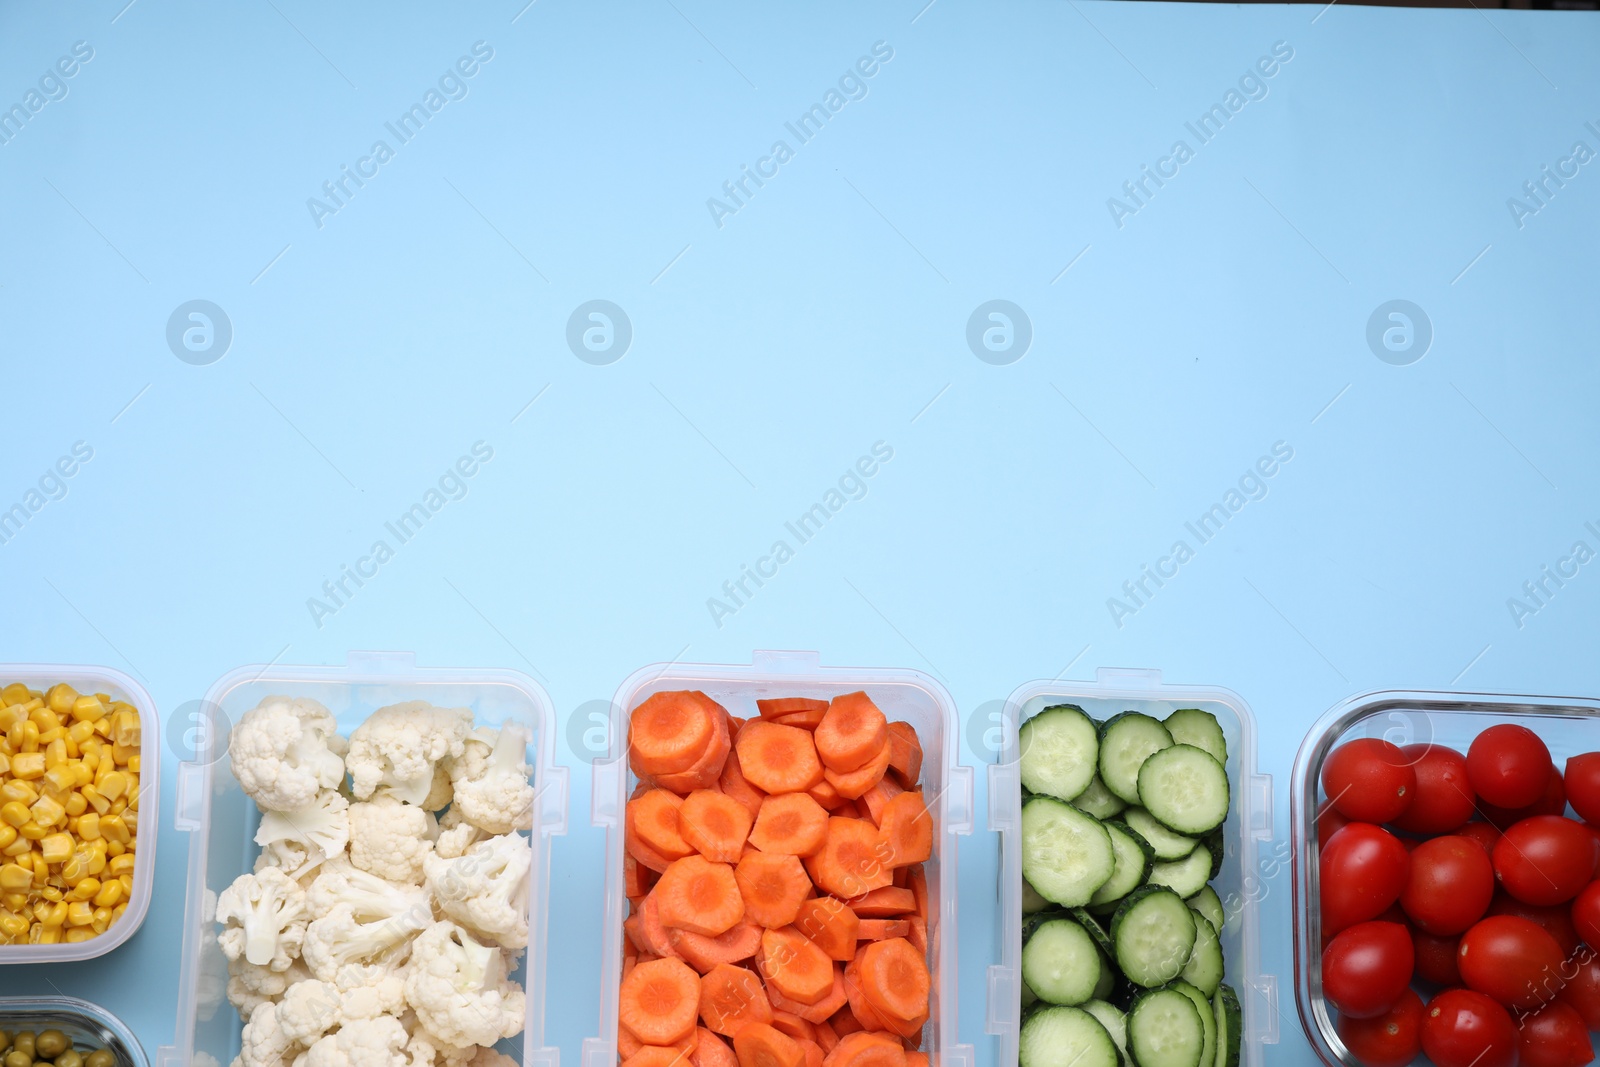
(822, 1010)
(814, 1053)
(652, 820)
(852, 784)
(738, 942)
(793, 1025)
(654, 938)
(773, 886)
(771, 708)
(730, 997)
(715, 824)
(627, 1044)
(914, 1058)
(762, 1045)
(851, 734)
(711, 1051)
(670, 732)
(848, 809)
(696, 894)
(883, 929)
(636, 878)
(907, 828)
(660, 1001)
(851, 861)
(735, 724)
(918, 934)
(866, 1050)
(705, 771)
(895, 980)
(733, 784)
(879, 796)
(629, 959)
(803, 720)
(902, 877)
(790, 824)
(831, 925)
(659, 1056)
(844, 1021)
(881, 903)
(794, 967)
(630, 928)
(919, 890)
(826, 1037)
(860, 1006)
(778, 759)
(825, 794)
(646, 957)
(905, 753)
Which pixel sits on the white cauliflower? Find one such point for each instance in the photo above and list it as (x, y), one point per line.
(290, 858)
(264, 917)
(456, 835)
(371, 899)
(441, 791)
(250, 986)
(487, 889)
(429, 1051)
(263, 1042)
(320, 829)
(284, 751)
(488, 1057)
(491, 781)
(346, 952)
(384, 994)
(397, 747)
(361, 1043)
(459, 988)
(390, 839)
(308, 1010)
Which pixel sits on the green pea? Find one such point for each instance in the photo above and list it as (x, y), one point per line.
(5, 1040)
(70, 1058)
(18, 1058)
(100, 1057)
(23, 1043)
(50, 1044)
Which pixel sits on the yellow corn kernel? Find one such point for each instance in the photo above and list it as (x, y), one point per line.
(115, 849)
(41, 869)
(8, 834)
(46, 935)
(14, 900)
(21, 846)
(102, 919)
(55, 751)
(30, 742)
(80, 913)
(110, 895)
(102, 726)
(130, 815)
(134, 762)
(97, 860)
(32, 831)
(14, 813)
(126, 881)
(76, 805)
(85, 890)
(27, 764)
(16, 876)
(113, 785)
(125, 729)
(115, 828)
(72, 748)
(57, 848)
(16, 733)
(116, 912)
(87, 709)
(76, 868)
(47, 811)
(79, 732)
(92, 795)
(118, 808)
(13, 925)
(52, 893)
(24, 792)
(83, 772)
(60, 698)
(88, 826)
(133, 804)
(121, 865)
(76, 934)
(121, 754)
(44, 718)
(15, 693)
(59, 776)
(51, 914)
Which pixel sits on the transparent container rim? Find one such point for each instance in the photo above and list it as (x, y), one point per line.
(85, 1009)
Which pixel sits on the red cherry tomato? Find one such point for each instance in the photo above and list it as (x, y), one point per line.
(1508, 765)
(1461, 1028)
(1583, 785)
(1555, 918)
(1366, 968)
(1545, 859)
(1436, 958)
(1553, 1036)
(1329, 822)
(1444, 798)
(1450, 885)
(1392, 1039)
(1361, 872)
(1511, 959)
(1484, 833)
(1553, 801)
(1582, 991)
(1586, 913)
(1369, 780)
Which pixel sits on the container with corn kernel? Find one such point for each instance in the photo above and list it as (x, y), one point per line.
(78, 755)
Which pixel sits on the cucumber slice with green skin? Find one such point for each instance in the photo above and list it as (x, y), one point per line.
(1191, 726)
(1095, 930)
(1217, 844)
(1185, 789)
(1185, 877)
(1164, 1030)
(1099, 801)
(1029, 997)
(1114, 1019)
(1031, 900)
(1205, 967)
(1133, 858)
(1060, 750)
(1066, 855)
(1229, 1018)
(1108, 980)
(1207, 903)
(1061, 962)
(1126, 741)
(1065, 1037)
(1166, 844)
(1154, 933)
(1208, 1019)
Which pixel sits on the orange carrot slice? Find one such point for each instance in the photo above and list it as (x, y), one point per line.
(778, 759)
(916, 1059)
(831, 925)
(774, 707)
(654, 938)
(738, 942)
(878, 797)
(660, 1056)
(918, 935)
(803, 720)
(762, 1045)
(814, 1053)
(730, 997)
(652, 820)
(698, 895)
(705, 771)
(636, 877)
(670, 732)
(852, 784)
(919, 890)
(660, 1001)
(851, 861)
(627, 1044)
(794, 967)
(711, 1051)
(851, 734)
(790, 824)
(773, 887)
(895, 980)
(733, 784)
(844, 1021)
(819, 1012)
(912, 1042)
(825, 794)
(793, 1025)
(715, 824)
(864, 1049)
(865, 1014)
(907, 828)
(882, 903)
(883, 929)
(826, 1037)
(905, 753)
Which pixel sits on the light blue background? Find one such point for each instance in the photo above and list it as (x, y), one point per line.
(769, 354)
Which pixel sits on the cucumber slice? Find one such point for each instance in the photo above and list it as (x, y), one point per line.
(1217, 844)
(1229, 1018)
(1132, 857)
(1029, 997)
(1191, 726)
(1166, 844)
(1207, 903)
(1185, 877)
(1114, 1019)
(1092, 926)
(1065, 854)
(1205, 967)
(1031, 900)
(1061, 962)
(1126, 741)
(1154, 933)
(1060, 749)
(1185, 789)
(1164, 1030)
(1099, 801)
(1065, 1037)
(1208, 1018)
(1108, 981)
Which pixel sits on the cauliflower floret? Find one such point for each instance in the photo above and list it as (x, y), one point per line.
(488, 1057)
(459, 989)
(263, 1042)
(290, 858)
(308, 1010)
(250, 986)
(456, 835)
(264, 917)
(429, 1051)
(487, 889)
(389, 839)
(320, 829)
(361, 1043)
(491, 783)
(371, 899)
(397, 747)
(384, 994)
(441, 791)
(340, 950)
(284, 752)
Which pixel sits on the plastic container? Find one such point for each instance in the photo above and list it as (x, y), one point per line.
(905, 695)
(1240, 883)
(1564, 723)
(89, 1025)
(221, 821)
(119, 686)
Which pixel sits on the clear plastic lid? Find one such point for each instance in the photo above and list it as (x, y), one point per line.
(88, 1025)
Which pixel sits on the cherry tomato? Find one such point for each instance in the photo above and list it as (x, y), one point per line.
(1367, 968)
(1508, 765)
(1586, 913)
(1450, 885)
(1553, 801)
(1484, 833)
(1361, 872)
(1461, 1028)
(1583, 785)
(1511, 959)
(1329, 821)
(1545, 860)
(1369, 780)
(1582, 991)
(1392, 1039)
(1554, 1036)
(1555, 918)
(1444, 798)
(1436, 958)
